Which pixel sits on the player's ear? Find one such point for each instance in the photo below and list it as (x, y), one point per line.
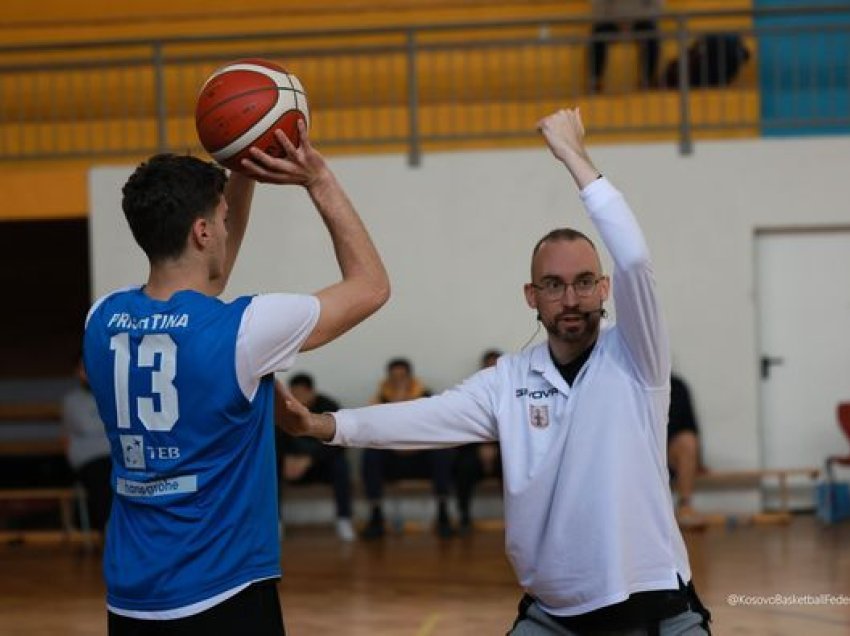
(199, 235)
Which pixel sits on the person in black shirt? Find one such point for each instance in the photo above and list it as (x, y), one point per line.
(382, 465)
(683, 457)
(305, 460)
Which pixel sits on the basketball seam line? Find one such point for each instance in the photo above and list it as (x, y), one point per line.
(277, 88)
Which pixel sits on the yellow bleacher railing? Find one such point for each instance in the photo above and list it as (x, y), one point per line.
(387, 89)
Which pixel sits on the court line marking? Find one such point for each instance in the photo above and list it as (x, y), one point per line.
(428, 626)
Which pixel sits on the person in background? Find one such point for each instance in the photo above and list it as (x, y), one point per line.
(683, 452)
(87, 449)
(613, 16)
(475, 462)
(307, 461)
(381, 465)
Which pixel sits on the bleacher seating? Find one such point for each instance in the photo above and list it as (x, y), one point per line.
(512, 85)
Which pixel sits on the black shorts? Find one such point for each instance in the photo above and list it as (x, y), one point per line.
(642, 610)
(255, 610)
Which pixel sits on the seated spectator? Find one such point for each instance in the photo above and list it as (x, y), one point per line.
(612, 16)
(88, 450)
(683, 454)
(713, 59)
(383, 465)
(475, 462)
(305, 460)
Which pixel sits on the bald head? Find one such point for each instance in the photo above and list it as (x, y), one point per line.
(567, 290)
(583, 245)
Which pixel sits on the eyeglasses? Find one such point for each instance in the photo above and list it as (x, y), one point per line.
(554, 288)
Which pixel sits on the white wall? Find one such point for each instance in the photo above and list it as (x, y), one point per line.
(456, 235)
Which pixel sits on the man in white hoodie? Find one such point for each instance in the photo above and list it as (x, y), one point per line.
(581, 420)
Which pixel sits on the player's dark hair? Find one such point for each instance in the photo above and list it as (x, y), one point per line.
(164, 197)
(302, 379)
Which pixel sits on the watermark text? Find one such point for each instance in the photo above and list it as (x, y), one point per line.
(787, 599)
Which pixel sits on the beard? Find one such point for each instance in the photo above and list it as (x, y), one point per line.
(573, 327)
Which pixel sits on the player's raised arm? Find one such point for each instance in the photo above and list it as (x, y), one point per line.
(239, 192)
(365, 286)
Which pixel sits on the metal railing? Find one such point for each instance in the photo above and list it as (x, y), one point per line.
(439, 86)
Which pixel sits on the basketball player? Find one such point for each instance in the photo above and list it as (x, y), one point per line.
(184, 384)
(581, 420)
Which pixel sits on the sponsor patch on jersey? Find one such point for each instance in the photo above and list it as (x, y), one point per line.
(538, 416)
(133, 447)
(158, 488)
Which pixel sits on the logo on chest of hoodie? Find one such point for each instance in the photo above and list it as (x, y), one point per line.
(538, 416)
(536, 394)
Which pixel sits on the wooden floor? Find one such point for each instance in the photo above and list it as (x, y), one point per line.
(417, 585)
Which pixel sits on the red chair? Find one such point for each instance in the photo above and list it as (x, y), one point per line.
(843, 413)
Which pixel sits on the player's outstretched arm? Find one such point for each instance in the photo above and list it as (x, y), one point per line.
(239, 192)
(564, 134)
(365, 286)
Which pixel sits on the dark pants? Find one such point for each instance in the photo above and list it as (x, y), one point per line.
(647, 47)
(469, 470)
(330, 466)
(642, 612)
(381, 465)
(95, 476)
(255, 611)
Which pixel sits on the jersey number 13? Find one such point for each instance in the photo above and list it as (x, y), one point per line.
(162, 381)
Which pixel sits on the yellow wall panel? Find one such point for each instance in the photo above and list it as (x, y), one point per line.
(39, 190)
(44, 191)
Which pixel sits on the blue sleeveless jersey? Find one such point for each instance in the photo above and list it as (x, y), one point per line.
(195, 506)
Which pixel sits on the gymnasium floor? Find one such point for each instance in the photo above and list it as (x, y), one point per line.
(417, 585)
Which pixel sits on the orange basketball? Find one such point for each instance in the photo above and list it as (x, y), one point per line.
(242, 104)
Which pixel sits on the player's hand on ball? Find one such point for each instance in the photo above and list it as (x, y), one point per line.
(564, 133)
(303, 165)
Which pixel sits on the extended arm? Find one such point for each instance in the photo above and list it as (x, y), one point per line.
(365, 286)
(460, 415)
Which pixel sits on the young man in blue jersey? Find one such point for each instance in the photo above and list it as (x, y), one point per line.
(184, 384)
(581, 421)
